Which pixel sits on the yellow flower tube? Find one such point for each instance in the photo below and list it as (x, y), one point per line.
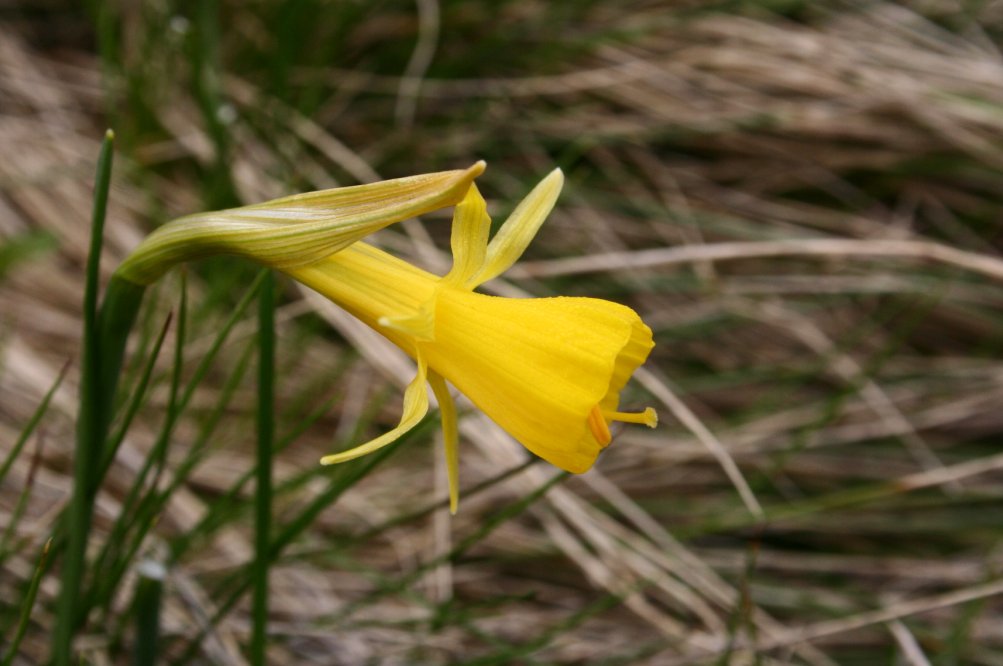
(549, 371)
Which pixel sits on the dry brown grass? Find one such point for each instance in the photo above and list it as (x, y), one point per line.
(807, 213)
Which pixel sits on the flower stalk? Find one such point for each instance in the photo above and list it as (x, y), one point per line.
(263, 470)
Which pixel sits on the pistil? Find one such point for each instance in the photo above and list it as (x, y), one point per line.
(648, 417)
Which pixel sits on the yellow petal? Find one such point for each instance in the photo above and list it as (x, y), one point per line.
(547, 370)
(415, 408)
(418, 325)
(450, 436)
(297, 230)
(373, 286)
(539, 367)
(469, 238)
(519, 229)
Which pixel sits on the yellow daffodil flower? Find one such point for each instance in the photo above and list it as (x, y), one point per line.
(549, 371)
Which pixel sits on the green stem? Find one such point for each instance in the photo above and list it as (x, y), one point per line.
(26, 607)
(344, 478)
(137, 394)
(147, 611)
(92, 423)
(139, 511)
(263, 494)
(32, 424)
(119, 310)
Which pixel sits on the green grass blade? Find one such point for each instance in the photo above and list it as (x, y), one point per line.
(489, 525)
(91, 427)
(27, 605)
(518, 652)
(231, 505)
(144, 513)
(199, 449)
(137, 395)
(221, 337)
(346, 476)
(146, 607)
(33, 422)
(263, 489)
(6, 545)
(418, 514)
(119, 310)
(176, 408)
(219, 190)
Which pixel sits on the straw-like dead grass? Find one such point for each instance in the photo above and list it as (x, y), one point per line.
(807, 213)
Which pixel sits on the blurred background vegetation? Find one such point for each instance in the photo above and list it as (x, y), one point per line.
(801, 198)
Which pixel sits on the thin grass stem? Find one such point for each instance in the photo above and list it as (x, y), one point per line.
(6, 541)
(27, 605)
(346, 476)
(149, 591)
(198, 452)
(136, 400)
(141, 509)
(92, 424)
(29, 428)
(263, 494)
(487, 526)
(406, 518)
